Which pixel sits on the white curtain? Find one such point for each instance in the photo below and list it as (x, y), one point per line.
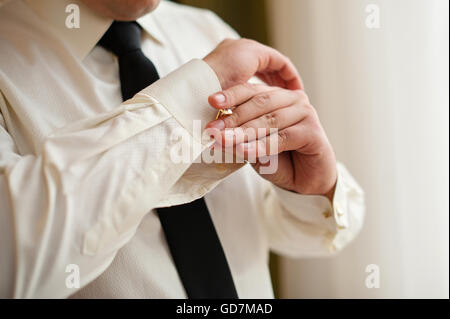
(382, 95)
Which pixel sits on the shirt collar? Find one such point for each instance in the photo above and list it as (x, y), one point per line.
(92, 26)
(150, 25)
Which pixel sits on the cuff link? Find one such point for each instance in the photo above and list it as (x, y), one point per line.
(339, 209)
(222, 167)
(223, 112)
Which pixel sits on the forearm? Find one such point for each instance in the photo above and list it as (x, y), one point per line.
(81, 198)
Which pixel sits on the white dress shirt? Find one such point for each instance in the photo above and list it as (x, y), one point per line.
(81, 172)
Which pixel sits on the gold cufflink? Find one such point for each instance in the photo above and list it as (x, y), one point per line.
(223, 112)
(222, 167)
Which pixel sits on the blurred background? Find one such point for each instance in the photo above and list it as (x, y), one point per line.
(377, 72)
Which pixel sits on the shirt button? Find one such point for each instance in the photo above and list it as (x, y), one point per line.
(332, 248)
(339, 210)
(326, 214)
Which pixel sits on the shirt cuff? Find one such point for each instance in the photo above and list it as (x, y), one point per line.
(187, 101)
(317, 209)
(184, 94)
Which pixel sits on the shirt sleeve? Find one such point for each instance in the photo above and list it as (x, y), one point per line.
(83, 195)
(311, 226)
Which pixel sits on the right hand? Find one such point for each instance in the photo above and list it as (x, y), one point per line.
(236, 61)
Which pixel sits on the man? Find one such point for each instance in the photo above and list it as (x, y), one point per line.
(89, 185)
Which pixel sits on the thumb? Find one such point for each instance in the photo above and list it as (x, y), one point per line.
(277, 69)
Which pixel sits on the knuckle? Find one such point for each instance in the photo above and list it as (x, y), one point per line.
(283, 137)
(315, 126)
(310, 108)
(271, 120)
(261, 99)
(301, 95)
(231, 120)
(249, 86)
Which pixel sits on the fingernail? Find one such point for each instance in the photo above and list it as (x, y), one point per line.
(217, 124)
(219, 98)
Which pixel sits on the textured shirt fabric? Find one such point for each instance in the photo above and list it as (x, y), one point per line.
(81, 172)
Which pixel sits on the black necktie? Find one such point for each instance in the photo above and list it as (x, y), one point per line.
(189, 230)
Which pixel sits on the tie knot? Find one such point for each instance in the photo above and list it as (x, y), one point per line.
(122, 37)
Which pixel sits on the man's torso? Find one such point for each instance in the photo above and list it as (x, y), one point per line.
(46, 87)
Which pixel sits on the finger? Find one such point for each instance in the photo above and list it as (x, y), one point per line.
(289, 139)
(273, 79)
(261, 104)
(265, 124)
(273, 61)
(236, 95)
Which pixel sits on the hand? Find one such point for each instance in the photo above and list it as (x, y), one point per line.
(236, 61)
(306, 161)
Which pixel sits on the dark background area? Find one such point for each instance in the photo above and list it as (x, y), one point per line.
(247, 17)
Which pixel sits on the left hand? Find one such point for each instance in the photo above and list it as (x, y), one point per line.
(235, 61)
(306, 161)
